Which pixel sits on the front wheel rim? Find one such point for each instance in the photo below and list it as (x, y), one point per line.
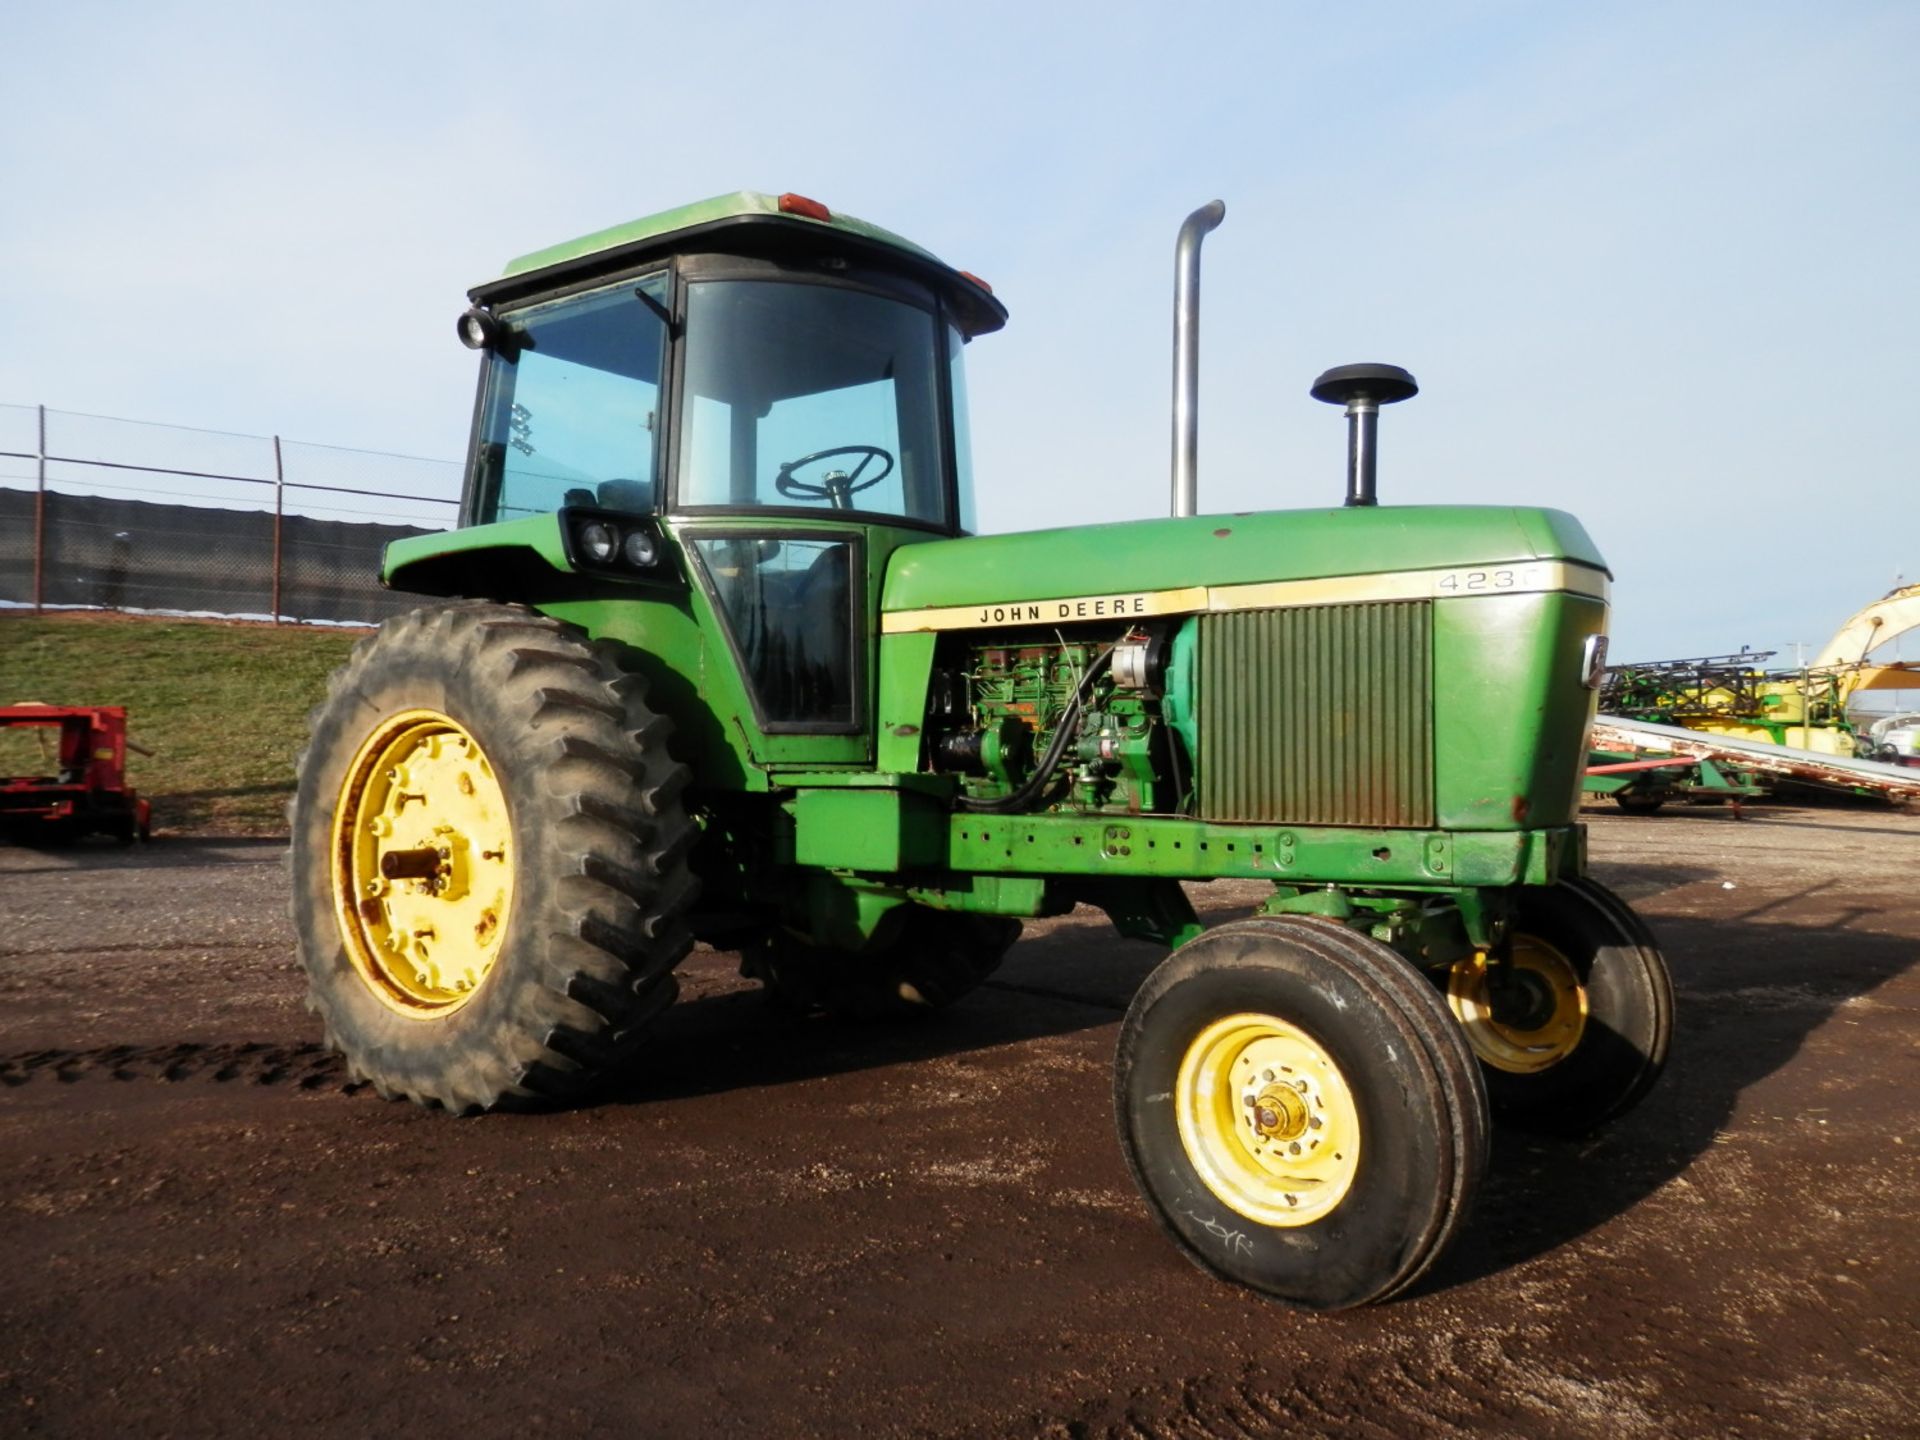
(1268, 1120)
(423, 876)
(1530, 1033)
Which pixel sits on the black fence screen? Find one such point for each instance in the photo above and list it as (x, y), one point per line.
(121, 554)
(86, 520)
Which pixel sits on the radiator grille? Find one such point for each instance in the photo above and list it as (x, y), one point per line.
(1317, 715)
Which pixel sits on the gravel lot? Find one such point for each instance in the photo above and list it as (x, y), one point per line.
(782, 1227)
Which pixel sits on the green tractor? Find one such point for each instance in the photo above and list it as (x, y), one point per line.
(719, 658)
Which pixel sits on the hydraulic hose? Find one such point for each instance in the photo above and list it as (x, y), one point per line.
(1015, 801)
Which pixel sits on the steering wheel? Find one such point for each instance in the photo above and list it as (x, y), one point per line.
(836, 485)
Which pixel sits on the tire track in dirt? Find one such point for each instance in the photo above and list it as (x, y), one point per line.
(1429, 1391)
(305, 1066)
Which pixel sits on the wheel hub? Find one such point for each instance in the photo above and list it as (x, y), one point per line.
(1522, 1000)
(1522, 1014)
(1280, 1114)
(423, 881)
(1268, 1120)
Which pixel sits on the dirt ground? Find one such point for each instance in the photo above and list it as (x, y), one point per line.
(783, 1228)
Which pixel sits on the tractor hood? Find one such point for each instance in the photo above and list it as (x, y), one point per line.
(1161, 567)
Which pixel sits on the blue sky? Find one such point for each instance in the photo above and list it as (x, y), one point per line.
(1653, 264)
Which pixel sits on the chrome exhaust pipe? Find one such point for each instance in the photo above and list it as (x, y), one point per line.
(1186, 354)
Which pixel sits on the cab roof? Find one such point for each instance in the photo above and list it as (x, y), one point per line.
(750, 222)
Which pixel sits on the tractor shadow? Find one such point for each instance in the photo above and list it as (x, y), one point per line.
(724, 1035)
(1750, 989)
(1063, 976)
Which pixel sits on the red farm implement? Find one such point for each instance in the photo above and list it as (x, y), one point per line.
(87, 793)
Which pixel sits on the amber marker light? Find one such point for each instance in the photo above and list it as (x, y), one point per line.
(791, 204)
(969, 275)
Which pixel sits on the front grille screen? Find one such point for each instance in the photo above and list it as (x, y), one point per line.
(1317, 715)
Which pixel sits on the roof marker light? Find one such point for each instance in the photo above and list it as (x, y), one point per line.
(791, 204)
(969, 275)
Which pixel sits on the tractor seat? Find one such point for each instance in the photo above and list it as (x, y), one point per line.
(632, 495)
(635, 495)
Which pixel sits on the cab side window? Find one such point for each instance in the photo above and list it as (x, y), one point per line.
(572, 407)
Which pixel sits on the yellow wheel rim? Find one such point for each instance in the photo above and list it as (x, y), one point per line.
(422, 865)
(1268, 1120)
(1528, 1019)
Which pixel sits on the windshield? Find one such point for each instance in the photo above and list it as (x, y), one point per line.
(572, 404)
(811, 396)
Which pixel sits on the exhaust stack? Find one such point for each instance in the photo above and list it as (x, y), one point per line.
(1186, 354)
(1363, 389)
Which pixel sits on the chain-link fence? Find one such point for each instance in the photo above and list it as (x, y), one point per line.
(113, 514)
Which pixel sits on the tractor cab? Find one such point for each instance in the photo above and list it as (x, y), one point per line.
(809, 376)
(773, 391)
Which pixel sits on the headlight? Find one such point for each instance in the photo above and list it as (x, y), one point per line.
(598, 542)
(639, 549)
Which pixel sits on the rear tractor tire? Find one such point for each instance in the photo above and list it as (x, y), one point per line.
(1300, 1111)
(933, 959)
(489, 859)
(1578, 1029)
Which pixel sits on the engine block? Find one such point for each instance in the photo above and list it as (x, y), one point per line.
(998, 708)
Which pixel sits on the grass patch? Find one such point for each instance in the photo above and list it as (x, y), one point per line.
(222, 706)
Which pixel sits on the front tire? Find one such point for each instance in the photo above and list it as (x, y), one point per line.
(1300, 1111)
(489, 859)
(1577, 1031)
